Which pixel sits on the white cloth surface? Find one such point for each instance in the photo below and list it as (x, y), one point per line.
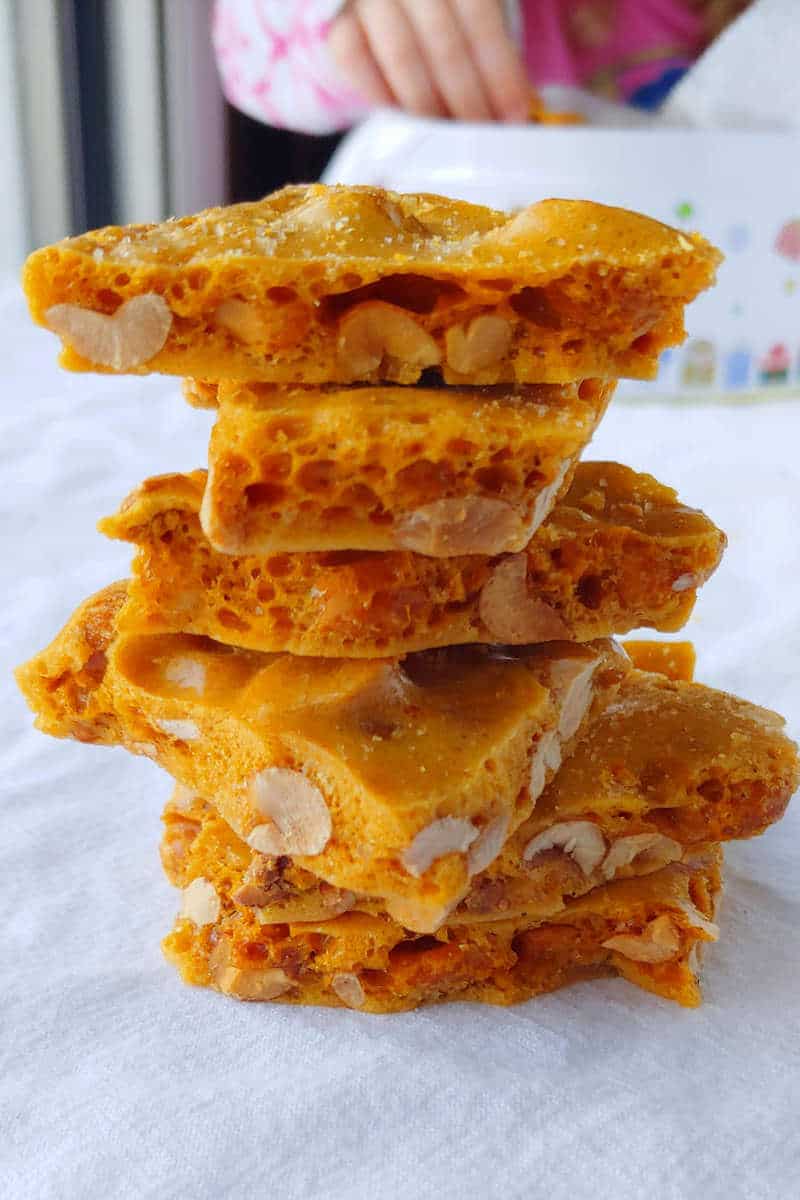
(118, 1081)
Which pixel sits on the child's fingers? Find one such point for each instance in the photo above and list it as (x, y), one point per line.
(350, 48)
(449, 58)
(432, 57)
(496, 57)
(397, 52)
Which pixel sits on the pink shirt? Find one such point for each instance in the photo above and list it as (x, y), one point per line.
(275, 65)
(612, 47)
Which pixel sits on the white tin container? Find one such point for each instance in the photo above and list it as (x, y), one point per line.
(741, 190)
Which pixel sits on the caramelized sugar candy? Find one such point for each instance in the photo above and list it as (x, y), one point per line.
(441, 471)
(676, 660)
(398, 779)
(540, 114)
(319, 284)
(628, 801)
(618, 552)
(647, 930)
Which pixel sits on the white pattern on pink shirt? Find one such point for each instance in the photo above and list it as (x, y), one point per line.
(275, 65)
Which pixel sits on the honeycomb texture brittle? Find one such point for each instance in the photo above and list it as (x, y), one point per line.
(385, 776)
(647, 930)
(316, 284)
(606, 560)
(703, 765)
(599, 818)
(442, 471)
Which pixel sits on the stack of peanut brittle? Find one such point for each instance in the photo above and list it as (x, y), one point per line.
(371, 641)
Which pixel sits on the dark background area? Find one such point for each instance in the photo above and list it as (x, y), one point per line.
(261, 158)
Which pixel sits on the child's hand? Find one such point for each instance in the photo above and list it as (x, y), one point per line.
(437, 58)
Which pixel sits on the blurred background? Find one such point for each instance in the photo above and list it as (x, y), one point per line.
(111, 111)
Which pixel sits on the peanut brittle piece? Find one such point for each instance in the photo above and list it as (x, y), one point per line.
(316, 284)
(596, 821)
(618, 552)
(697, 763)
(441, 471)
(668, 766)
(649, 931)
(676, 660)
(395, 778)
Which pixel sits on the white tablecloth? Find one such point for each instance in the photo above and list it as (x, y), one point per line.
(118, 1081)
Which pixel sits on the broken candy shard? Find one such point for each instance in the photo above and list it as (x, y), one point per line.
(317, 284)
(603, 562)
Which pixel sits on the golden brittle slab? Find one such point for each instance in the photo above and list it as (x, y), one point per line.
(441, 471)
(618, 552)
(395, 778)
(676, 660)
(626, 802)
(320, 284)
(648, 930)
